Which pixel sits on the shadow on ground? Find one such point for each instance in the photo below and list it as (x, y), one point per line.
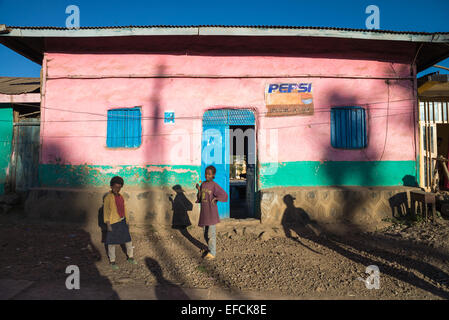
(379, 248)
(164, 290)
(41, 253)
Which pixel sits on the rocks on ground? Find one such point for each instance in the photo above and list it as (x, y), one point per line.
(413, 261)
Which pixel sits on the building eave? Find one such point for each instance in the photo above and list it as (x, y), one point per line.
(30, 41)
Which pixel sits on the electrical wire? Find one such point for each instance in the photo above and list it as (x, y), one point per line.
(386, 125)
(199, 133)
(323, 109)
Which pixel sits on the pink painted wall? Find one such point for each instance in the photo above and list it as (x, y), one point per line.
(74, 118)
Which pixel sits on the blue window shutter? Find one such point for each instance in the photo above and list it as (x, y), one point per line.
(124, 129)
(134, 128)
(121, 133)
(348, 128)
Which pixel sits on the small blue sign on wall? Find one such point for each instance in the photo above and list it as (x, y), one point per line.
(169, 117)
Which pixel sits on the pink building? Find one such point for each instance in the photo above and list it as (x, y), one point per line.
(313, 108)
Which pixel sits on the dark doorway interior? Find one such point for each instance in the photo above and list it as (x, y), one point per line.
(240, 177)
(443, 150)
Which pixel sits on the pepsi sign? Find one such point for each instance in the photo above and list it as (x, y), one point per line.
(286, 99)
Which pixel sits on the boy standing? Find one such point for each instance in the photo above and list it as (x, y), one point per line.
(117, 222)
(208, 194)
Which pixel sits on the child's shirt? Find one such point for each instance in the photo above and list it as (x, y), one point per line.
(120, 204)
(111, 210)
(209, 211)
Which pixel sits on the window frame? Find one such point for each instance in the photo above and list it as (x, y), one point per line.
(346, 128)
(127, 123)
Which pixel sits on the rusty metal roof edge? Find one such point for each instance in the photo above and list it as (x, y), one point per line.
(19, 85)
(3, 29)
(223, 30)
(3, 78)
(227, 26)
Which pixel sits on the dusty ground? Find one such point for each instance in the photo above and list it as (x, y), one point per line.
(413, 261)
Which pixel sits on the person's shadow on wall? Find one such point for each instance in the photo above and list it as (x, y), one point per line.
(410, 181)
(164, 290)
(297, 220)
(102, 225)
(181, 206)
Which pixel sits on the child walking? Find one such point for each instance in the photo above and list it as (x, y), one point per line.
(208, 194)
(117, 222)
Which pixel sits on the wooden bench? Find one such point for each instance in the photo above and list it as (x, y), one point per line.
(423, 199)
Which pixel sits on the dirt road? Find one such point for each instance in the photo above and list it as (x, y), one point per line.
(413, 262)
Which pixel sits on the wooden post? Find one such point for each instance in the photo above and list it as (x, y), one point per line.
(435, 177)
(15, 118)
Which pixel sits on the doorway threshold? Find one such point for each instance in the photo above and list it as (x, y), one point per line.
(234, 221)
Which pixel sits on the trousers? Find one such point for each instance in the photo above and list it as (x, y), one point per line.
(129, 251)
(211, 239)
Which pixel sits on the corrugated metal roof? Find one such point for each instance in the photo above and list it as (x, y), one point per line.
(223, 30)
(18, 85)
(230, 26)
(29, 40)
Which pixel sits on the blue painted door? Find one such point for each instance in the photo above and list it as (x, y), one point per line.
(215, 151)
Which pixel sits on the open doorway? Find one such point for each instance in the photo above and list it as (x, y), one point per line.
(228, 142)
(242, 171)
(443, 150)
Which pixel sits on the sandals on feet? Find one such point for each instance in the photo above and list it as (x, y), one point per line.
(114, 266)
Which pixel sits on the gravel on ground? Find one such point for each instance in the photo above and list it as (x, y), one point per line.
(413, 261)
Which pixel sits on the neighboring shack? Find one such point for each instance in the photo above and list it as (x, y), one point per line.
(329, 116)
(433, 94)
(19, 105)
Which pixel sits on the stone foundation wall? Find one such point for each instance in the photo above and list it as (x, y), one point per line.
(150, 206)
(365, 208)
(358, 207)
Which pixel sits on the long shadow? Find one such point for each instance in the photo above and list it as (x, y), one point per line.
(60, 235)
(297, 220)
(367, 161)
(165, 290)
(399, 205)
(154, 200)
(364, 243)
(57, 247)
(102, 225)
(364, 173)
(180, 206)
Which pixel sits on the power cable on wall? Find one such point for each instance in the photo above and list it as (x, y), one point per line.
(282, 127)
(324, 109)
(386, 125)
(199, 133)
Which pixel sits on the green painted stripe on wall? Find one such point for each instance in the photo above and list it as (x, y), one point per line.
(284, 174)
(338, 173)
(6, 133)
(56, 175)
(418, 178)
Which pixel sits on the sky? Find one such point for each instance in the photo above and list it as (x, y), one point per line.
(398, 15)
